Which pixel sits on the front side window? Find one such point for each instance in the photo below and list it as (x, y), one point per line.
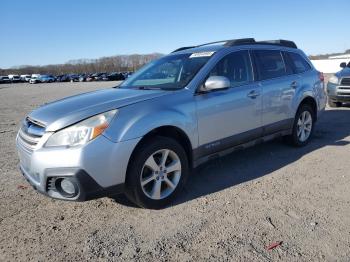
(236, 67)
(298, 63)
(168, 73)
(269, 64)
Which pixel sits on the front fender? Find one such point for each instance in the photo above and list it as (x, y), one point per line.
(137, 120)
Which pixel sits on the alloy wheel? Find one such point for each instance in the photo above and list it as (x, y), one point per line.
(304, 126)
(160, 174)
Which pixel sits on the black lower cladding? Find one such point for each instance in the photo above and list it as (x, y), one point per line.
(87, 187)
(245, 137)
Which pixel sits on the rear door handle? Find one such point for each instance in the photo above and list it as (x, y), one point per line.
(253, 94)
(294, 84)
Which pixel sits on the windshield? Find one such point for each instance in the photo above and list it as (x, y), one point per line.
(168, 73)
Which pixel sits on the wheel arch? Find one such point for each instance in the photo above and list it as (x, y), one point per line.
(309, 100)
(168, 131)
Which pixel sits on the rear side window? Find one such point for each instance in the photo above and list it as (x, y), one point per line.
(269, 64)
(236, 67)
(298, 63)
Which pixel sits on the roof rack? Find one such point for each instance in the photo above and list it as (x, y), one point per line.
(245, 41)
(280, 42)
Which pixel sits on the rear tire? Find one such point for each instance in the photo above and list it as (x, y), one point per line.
(157, 172)
(303, 126)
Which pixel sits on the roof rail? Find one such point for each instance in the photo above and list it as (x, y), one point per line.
(230, 42)
(183, 48)
(244, 41)
(280, 42)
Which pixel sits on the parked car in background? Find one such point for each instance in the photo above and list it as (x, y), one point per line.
(14, 78)
(338, 87)
(35, 75)
(104, 77)
(33, 80)
(115, 77)
(4, 80)
(90, 78)
(98, 76)
(82, 77)
(59, 77)
(68, 78)
(144, 137)
(25, 78)
(42, 79)
(47, 78)
(127, 74)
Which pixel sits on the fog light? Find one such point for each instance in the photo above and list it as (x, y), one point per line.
(68, 187)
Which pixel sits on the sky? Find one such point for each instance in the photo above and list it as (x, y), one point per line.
(41, 32)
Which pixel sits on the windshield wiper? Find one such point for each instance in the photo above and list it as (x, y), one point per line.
(147, 88)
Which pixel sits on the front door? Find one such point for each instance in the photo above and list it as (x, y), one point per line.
(232, 116)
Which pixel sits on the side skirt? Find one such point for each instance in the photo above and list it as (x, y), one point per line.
(251, 143)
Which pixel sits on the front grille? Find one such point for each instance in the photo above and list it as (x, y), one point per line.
(30, 133)
(343, 94)
(51, 184)
(345, 81)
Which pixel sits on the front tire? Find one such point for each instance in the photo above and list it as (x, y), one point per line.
(303, 126)
(157, 173)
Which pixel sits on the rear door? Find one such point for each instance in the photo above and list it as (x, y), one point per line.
(231, 116)
(278, 89)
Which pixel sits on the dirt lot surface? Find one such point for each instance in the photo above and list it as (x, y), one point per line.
(232, 208)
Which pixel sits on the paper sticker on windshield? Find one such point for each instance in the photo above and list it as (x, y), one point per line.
(201, 54)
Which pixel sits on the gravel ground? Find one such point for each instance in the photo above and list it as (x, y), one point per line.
(232, 208)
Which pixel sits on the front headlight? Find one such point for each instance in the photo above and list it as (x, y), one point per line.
(334, 80)
(82, 132)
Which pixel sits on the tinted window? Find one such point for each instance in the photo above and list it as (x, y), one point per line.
(288, 63)
(298, 63)
(269, 64)
(236, 67)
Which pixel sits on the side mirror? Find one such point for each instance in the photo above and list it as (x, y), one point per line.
(216, 83)
(343, 65)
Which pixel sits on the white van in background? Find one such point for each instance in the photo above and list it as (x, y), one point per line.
(25, 78)
(14, 78)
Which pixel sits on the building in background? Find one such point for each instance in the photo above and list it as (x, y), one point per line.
(331, 64)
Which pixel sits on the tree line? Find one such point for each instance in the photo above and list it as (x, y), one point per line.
(118, 63)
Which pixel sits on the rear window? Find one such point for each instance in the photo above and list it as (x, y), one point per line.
(269, 64)
(298, 63)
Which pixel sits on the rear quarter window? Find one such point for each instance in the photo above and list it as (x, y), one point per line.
(269, 64)
(298, 63)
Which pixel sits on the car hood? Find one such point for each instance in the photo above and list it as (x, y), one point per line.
(343, 73)
(70, 110)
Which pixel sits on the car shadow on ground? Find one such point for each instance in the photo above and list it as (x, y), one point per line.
(261, 160)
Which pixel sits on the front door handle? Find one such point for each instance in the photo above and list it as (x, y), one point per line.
(253, 94)
(294, 84)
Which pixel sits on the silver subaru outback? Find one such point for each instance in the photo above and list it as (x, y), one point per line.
(145, 136)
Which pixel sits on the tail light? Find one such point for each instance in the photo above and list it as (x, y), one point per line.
(321, 76)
